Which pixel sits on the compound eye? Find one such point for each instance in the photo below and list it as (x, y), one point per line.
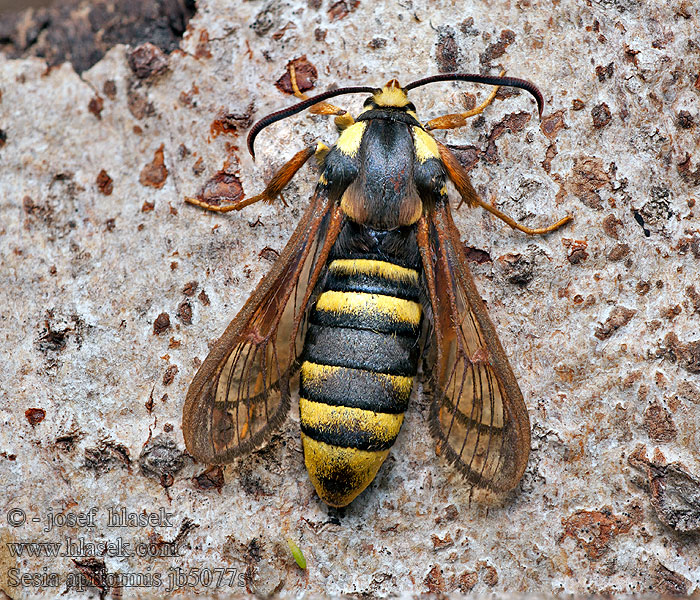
(368, 102)
(410, 106)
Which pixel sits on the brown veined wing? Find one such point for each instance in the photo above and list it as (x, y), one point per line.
(241, 393)
(478, 415)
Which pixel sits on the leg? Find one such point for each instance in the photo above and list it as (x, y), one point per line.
(342, 119)
(458, 175)
(276, 185)
(460, 119)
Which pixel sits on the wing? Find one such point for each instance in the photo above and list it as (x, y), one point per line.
(240, 394)
(478, 415)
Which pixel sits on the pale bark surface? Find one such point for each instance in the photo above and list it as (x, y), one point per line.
(601, 320)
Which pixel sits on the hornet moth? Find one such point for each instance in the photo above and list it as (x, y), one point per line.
(373, 279)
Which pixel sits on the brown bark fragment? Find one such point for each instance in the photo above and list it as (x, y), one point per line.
(514, 122)
(222, 188)
(601, 115)
(610, 225)
(106, 455)
(169, 375)
(477, 255)
(96, 105)
(630, 54)
(467, 156)
(202, 49)
(184, 312)
(434, 580)
(643, 288)
(161, 324)
(549, 157)
(447, 51)
(667, 582)
(675, 492)
(450, 514)
(161, 459)
(138, 105)
(490, 575)
(231, 122)
(467, 581)
(686, 173)
(594, 530)
(586, 178)
(605, 72)
(687, 354)
(342, 9)
(671, 312)
(155, 173)
(498, 48)
(203, 298)
(212, 478)
(619, 316)
(619, 252)
(147, 60)
(269, 254)
(110, 89)
(689, 244)
(694, 296)
(190, 288)
(689, 392)
(104, 183)
(440, 544)
(198, 167)
(518, 269)
(552, 124)
(305, 72)
(659, 423)
(35, 415)
(576, 250)
(685, 120)
(187, 98)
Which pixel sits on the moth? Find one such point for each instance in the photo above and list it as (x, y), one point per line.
(373, 280)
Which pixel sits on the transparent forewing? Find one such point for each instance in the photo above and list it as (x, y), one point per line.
(240, 394)
(478, 414)
(253, 383)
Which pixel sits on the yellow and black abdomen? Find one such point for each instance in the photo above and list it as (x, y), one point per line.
(359, 362)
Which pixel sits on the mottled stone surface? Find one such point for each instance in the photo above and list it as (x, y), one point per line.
(113, 290)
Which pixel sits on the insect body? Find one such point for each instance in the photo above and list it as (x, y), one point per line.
(375, 265)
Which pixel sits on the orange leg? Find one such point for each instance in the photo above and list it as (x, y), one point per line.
(342, 117)
(276, 185)
(458, 175)
(456, 120)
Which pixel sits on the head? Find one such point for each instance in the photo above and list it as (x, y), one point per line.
(392, 96)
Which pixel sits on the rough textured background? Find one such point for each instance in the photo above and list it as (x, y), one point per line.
(113, 289)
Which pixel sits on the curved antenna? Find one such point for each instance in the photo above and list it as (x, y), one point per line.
(292, 110)
(523, 84)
